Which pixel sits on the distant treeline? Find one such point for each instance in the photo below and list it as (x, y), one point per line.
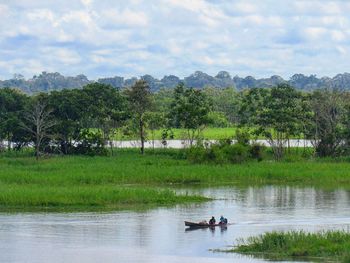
(86, 120)
(46, 82)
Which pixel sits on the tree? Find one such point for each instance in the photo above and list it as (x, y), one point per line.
(163, 99)
(154, 121)
(279, 119)
(306, 118)
(38, 123)
(225, 100)
(12, 105)
(346, 124)
(276, 115)
(68, 108)
(252, 102)
(326, 129)
(190, 110)
(218, 119)
(105, 109)
(177, 101)
(140, 101)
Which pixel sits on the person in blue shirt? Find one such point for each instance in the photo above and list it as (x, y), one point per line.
(223, 220)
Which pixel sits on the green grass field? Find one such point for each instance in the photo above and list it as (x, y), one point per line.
(330, 246)
(131, 179)
(209, 133)
(165, 167)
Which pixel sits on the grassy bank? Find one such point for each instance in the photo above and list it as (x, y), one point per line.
(164, 168)
(129, 179)
(37, 197)
(330, 245)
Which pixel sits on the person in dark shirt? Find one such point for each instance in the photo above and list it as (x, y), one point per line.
(212, 221)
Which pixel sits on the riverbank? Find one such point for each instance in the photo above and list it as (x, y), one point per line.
(298, 245)
(167, 167)
(79, 197)
(129, 179)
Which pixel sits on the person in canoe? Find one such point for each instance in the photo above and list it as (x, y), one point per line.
(212, 221)
(223, 220)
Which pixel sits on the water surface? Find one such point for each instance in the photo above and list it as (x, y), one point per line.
(159, 235)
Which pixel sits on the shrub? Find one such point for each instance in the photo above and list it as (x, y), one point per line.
(90, 143)
(219, 153)
(256, 151)
(216, 154)
(218, 119)
(196, 154)
(242, 137)
(224, 142)
(236, 153)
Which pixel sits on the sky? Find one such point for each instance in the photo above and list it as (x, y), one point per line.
(102, 38)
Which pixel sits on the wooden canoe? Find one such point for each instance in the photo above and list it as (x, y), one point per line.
(201, 225)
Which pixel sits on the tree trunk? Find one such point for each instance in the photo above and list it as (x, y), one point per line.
(142, 136)
(37, 147)
(111, 146)
(37, 151)
(8, 142)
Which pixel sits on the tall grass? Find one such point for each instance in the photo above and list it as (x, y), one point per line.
(334, 245)
(99, 181)
(164, 168)
(86, 197)
(84, 183)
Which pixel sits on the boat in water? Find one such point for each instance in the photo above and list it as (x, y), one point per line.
(202, 225)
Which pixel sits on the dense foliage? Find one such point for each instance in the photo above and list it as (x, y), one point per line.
(46, 82)
(87, 120)
(328, 246)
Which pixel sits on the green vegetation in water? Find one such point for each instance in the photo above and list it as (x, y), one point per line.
(130, 180)
(328, 245)
(88, 197)
(83, 183)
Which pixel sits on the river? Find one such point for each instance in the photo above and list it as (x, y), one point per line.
(159, 235)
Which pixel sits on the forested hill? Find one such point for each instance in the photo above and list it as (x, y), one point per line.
(55, 81)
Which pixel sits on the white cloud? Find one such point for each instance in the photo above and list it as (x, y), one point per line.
(41, 14)
(174, 37)
(315, 32)
(80, 17)
(126, 17)
(4, 10)
(67, 57)
(245, 7)
(321, 7)
(86, 3)
(338, 35)
(192, 5)
(206, 13)
(342, 50)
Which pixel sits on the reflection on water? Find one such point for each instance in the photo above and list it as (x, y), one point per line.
(159, 235)
(212, 229)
